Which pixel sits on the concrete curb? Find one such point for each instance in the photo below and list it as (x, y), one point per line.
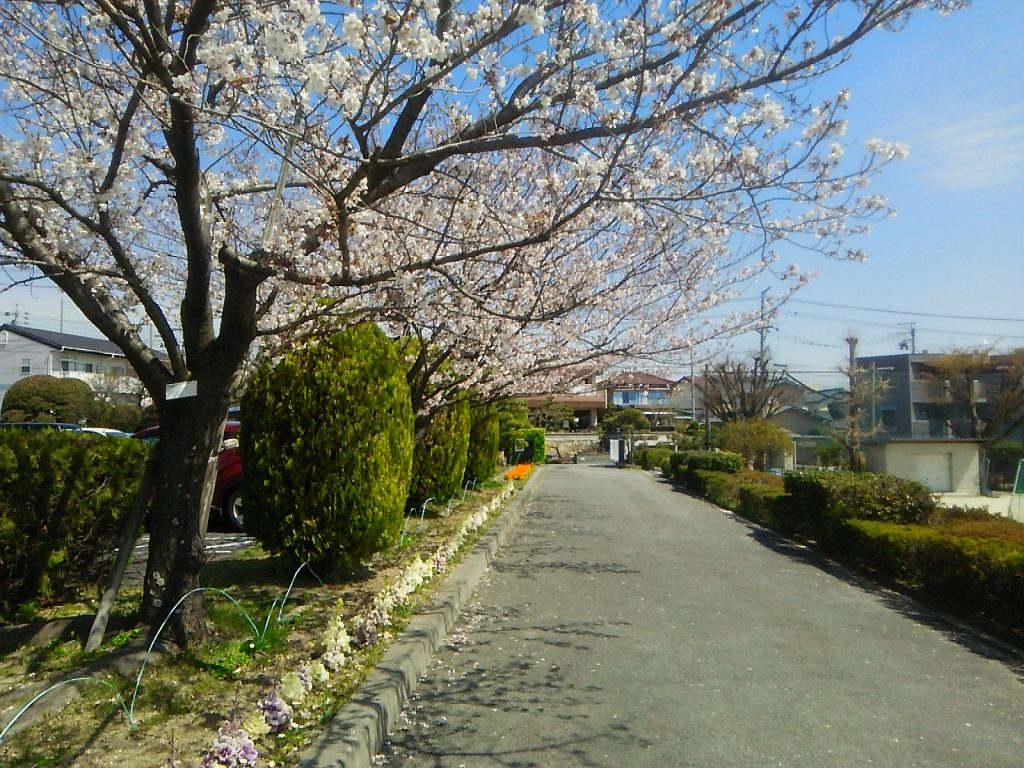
(357, 732)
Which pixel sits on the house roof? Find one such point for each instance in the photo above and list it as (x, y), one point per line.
(804, 411)
(636, 378)
(56, 340)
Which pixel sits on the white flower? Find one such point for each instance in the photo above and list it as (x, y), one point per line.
(353, 30)
(533, 17)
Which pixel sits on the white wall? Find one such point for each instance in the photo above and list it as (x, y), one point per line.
(911, 460)
(14, 351)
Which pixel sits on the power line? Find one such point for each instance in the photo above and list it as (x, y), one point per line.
(857, 322)
(909, 313)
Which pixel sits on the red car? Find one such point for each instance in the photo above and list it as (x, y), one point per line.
(226, 506)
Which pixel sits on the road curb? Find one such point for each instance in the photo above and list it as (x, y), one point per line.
(357, 733)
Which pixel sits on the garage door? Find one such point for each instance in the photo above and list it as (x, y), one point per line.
(936, 471)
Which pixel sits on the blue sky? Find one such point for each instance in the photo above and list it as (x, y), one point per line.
(950, 87)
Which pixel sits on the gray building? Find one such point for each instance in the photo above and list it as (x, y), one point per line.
(904, 396)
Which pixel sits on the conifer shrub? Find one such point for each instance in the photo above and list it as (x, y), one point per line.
(327, 439)
(439, 457)
(63, 498)
(482, 453)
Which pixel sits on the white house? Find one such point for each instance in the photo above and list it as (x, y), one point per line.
(98, 362)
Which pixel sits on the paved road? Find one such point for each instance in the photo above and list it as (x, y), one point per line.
(625, 624)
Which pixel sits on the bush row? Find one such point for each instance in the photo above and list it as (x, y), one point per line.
(964, 559)
(691, 467)
(62, 499)
(977, 574)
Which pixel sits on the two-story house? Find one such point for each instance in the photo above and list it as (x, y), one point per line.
(98, 362)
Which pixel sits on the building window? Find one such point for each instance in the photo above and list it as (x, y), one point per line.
(625, 397)
(26, 365)
(888, 417)
(3, 337)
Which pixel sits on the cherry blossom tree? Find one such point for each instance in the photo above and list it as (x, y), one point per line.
(228, 169)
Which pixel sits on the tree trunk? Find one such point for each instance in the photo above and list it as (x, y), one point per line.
(191, 431)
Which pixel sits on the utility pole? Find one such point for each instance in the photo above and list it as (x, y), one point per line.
(707, 414)
(912, 330)
(854, 455)
(763, 328)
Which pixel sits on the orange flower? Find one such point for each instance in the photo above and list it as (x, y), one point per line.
(519, 472)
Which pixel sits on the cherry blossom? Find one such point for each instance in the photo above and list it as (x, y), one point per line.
(531, 185)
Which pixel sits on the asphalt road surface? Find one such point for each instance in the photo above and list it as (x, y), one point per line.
(626, 624)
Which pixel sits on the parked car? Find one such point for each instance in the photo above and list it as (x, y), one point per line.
(62, 426)
(226, 506)
(106, 431)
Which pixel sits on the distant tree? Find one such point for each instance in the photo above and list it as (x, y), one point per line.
(755, 440)
(624, 423)
(739, 391)
(830, 454)
(977, 394)
(629, 420)
(48, 398)
(551, 415)
(689, 436)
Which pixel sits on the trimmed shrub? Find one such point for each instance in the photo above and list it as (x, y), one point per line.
(816, 500)
(758, 503)
(686, 465)
(985, 575)
(724, 488)
(439, 458)
(48, 398)
(484, 434)
(62, 501)
(327, 441)
(651, 457)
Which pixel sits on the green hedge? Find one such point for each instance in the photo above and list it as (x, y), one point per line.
(62, 501)
(817, 499)
(687, 465)
(726, 488)
(327, 442)
(985, 575)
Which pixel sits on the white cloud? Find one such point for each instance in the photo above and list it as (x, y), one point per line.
(981, 152)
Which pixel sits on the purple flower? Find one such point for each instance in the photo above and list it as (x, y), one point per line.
(366, 632)
(276, 711)
(232, 749)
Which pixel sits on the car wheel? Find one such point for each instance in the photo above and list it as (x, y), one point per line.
(232, 511)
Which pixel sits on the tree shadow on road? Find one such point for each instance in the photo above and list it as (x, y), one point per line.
(546, 715)
(978, 637)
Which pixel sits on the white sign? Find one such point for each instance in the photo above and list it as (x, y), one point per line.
(181, 389)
